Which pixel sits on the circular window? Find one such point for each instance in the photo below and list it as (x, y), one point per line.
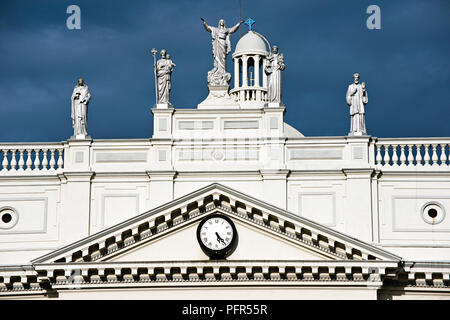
(8, 218)
(433, 212)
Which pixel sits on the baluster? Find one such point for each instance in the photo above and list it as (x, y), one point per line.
(5, 159)
(394, 155)
(434, 157)
(402, 155)
(37, 160)
(419, 155)
(379, 158)
(410, 155)
(21, 162)
(13, 160)
(52, 159)
(44, 159)
(386, 158)
(426, 157)
(28, 163)
(444, 154)
(60, 158)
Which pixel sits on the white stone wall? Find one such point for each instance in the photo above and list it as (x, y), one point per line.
(340, 182)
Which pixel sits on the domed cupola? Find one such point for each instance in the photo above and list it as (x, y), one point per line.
(250, 81)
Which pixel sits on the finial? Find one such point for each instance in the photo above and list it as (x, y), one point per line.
(249, 22)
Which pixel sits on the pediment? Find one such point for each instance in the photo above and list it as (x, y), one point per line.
(254, 244)
(168, 233)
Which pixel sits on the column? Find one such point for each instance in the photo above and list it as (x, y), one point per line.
(256, 67)
(244, 71)
(264, 74)
(236, 72)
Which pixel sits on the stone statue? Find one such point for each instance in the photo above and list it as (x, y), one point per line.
(356, 98)
(164, 68)
(80, 100)
(275, 64)
(221, 46)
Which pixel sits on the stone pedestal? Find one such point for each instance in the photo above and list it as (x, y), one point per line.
(80, 137)
(274, 105)
(163, 106)
(357, 134)
(218, 98)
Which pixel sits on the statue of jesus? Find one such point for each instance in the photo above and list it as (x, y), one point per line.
(221, 46)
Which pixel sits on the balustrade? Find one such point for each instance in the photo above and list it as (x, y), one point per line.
(18, 158)
(403, 153)
(249, 94)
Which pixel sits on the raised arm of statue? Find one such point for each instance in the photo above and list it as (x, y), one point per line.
(207, 28)
(234, 29)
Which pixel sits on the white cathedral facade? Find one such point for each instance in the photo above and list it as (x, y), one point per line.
(292, 217)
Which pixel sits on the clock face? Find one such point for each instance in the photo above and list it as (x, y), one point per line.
(217, 236)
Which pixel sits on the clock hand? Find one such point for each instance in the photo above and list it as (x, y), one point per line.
(219, 239)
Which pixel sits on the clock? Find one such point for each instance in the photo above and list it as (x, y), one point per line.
(217, 236)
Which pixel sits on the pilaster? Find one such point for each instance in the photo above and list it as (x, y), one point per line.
(275, 187)
(358, 203)
(161, 187)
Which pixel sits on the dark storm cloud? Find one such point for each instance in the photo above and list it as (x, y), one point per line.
(405, 64)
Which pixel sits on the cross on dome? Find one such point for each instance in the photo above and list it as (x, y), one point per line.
(249, 22)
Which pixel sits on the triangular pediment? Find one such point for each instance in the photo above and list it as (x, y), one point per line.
(168, 233)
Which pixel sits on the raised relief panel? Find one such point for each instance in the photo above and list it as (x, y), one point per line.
(411, 215)
(79, 157)
(29, 217)
(273, 123)
(129, 156)
(195, 125)
(28, 214)
(229, 154)
(162, 124)
(358, 152)
(415, 213)
(117, 208)
(319, 207)
(238, 124)
(162, 155)
(315, 153)
(115, 202)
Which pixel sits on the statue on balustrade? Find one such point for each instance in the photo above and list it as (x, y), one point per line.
(356, 98)
(221, 47)
(274, 66)
(164, 68)
(80, 100)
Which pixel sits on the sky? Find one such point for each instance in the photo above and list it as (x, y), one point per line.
(405, 64)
